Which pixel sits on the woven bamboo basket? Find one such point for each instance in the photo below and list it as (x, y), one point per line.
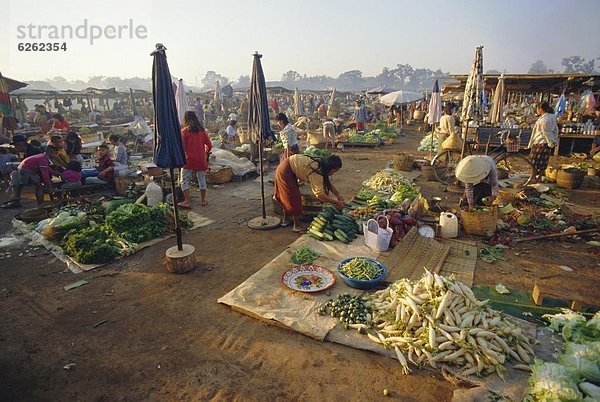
(403, 162)
(34, 215)
(570, 180)
(481, 223)
(220, 176)
(551, 173)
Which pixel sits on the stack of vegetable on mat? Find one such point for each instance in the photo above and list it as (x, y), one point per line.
(331, 224)
(576, 374)
(438, 320)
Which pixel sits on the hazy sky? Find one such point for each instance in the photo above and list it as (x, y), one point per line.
(309, 36)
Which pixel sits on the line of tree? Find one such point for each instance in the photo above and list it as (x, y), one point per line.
(403, 76)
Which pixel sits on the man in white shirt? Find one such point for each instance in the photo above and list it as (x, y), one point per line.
(233, 117)
(230, 135)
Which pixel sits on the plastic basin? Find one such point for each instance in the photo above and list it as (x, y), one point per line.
(361, 284)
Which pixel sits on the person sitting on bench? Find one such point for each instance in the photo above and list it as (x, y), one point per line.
(104, 166)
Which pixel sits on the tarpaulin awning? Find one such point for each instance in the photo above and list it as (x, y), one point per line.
(380, 90)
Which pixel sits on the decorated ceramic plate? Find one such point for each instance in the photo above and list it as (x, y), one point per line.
(308, 278)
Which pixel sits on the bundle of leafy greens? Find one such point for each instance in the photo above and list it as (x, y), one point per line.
(553, 382)
(576, 374)
(574, 326)
(137, 223)
(94, 245)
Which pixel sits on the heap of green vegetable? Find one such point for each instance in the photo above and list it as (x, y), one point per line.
(304, 255)
(351, 310)
(129, 223)
(362, 269)
(405, 190)
(385, 181)
(137, 223)
(491, 254)
(331, 223)
(95, 245)
(576, 374)
(316, 152)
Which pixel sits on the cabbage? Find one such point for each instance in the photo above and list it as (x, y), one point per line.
(592, 391)
(553, 382)
(574, 327)
(585, 368)
(588, 350)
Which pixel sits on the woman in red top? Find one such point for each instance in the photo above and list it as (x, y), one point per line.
(196, 145)
(60, 124)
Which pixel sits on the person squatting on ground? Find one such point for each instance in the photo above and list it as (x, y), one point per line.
(480, 176)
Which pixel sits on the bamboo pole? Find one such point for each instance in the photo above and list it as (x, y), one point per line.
(557, 235)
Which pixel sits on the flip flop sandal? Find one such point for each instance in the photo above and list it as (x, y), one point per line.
(301, 231)
(284, 224)
(10, 204)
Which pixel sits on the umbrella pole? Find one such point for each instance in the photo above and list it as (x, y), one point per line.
(176, 211)
(431, 144)
(487, 146)
(262, 177)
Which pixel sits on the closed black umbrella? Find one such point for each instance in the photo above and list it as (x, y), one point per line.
(168, 145)
(259, 127)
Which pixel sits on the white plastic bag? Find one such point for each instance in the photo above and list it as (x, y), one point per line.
(375, 237)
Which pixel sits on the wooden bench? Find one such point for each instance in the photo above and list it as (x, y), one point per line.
(576, 299)
(62, 193)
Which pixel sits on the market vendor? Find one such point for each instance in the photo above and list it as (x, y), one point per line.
(74, 146)
(23, 147)
(230, 136)
(105, 167)
(119, 152)
(329, 133)
(288, 136)
(360, 115)
(32, 170)
(61, 161)
(60, 124)
(447, 125)
(480, 176)
(307, 169)
(544, 138)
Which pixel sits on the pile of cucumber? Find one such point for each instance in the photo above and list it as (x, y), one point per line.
(333, 224)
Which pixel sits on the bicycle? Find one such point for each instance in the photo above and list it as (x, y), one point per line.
(506, 155)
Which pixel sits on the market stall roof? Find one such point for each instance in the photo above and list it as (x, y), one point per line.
(95, 92)
(528, 83)
(14, 84)
(380, 90)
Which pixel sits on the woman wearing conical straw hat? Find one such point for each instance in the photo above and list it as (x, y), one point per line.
(480, 176)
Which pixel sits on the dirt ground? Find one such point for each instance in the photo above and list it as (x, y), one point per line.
(136, 332)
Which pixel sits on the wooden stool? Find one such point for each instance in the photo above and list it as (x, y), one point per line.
(576, 300)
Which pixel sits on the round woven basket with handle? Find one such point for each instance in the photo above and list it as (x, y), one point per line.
(220, 176)
(403, 162)
(480, 223)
